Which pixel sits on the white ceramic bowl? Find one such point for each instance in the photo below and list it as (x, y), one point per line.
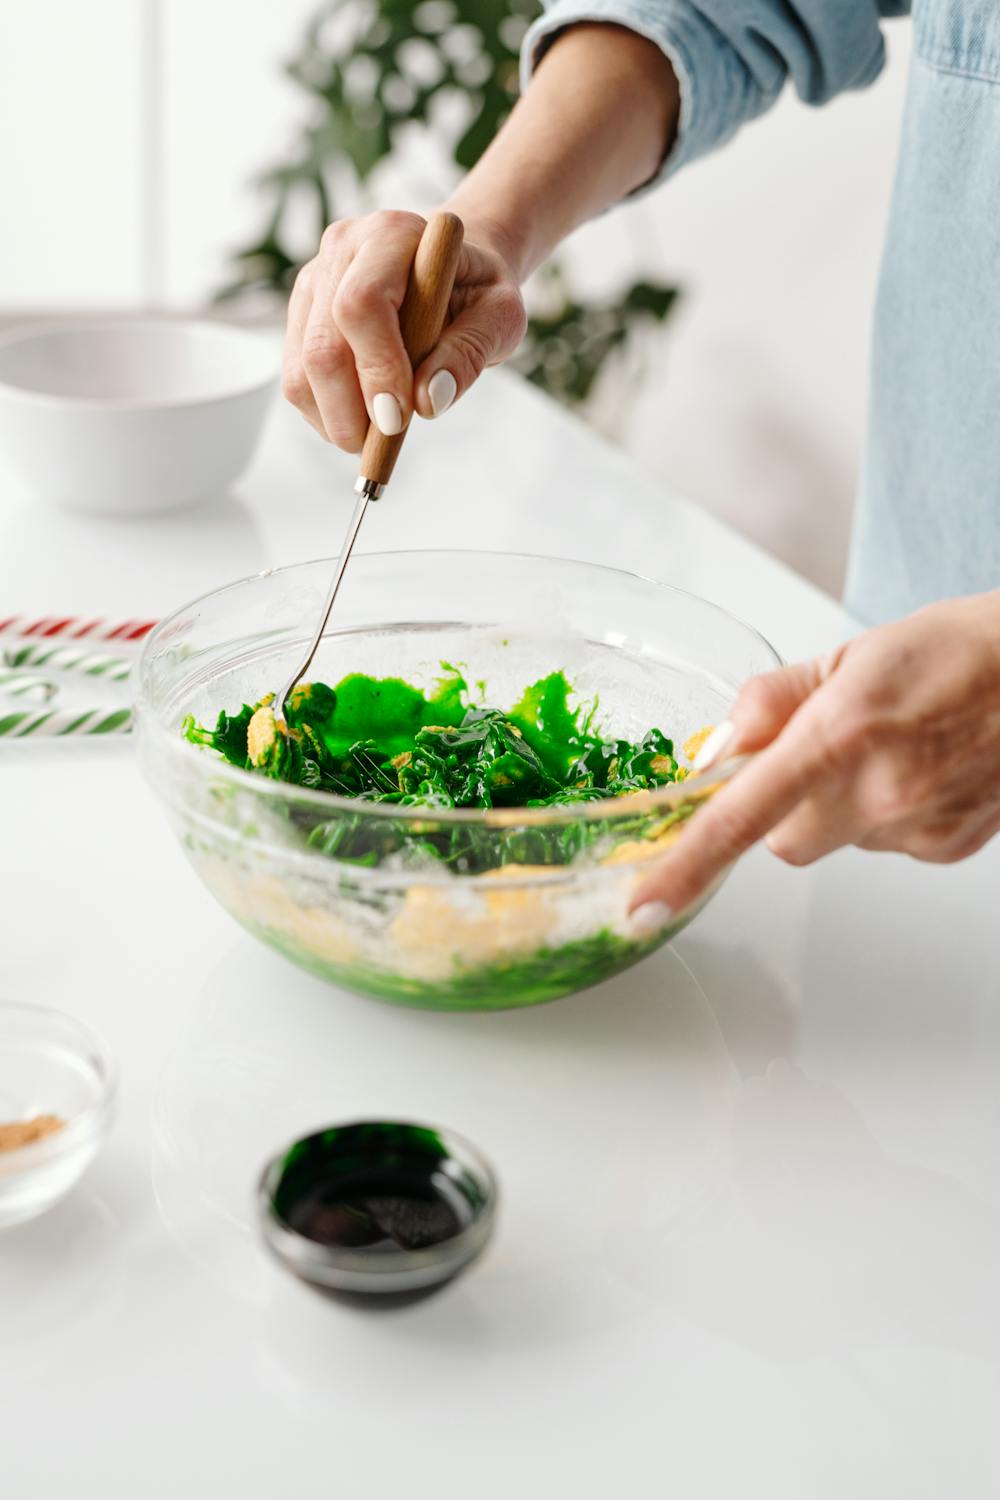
(131, 417)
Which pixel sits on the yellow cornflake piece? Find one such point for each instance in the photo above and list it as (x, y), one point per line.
(300, 695)
(643, 848)
(435, 930)
(264, 901)
(695, 741)
(262, 731)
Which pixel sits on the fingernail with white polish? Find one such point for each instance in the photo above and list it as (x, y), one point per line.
(441, 390)
(714, 745)
(386, 414)
(646, 921)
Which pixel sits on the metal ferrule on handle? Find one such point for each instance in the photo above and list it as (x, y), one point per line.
(370, 488)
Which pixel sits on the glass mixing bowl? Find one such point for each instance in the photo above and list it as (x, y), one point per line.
(547, 913)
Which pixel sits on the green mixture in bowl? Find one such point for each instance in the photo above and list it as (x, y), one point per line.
(382, 740)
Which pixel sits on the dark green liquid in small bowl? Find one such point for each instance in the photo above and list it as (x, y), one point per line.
(391, 1207)
(377, 1209)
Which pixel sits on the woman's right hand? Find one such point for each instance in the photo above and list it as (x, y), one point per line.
(344, 360)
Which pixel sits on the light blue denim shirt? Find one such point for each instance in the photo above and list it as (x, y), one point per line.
(927, 524)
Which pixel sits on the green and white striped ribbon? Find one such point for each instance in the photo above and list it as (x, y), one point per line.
(19, 684)
(65, 721)
(62, 658)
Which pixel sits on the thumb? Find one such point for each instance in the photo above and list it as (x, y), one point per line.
(763, 708)
(484, 333)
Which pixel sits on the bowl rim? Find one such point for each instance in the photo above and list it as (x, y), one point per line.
(599, 809)
(88, 1123)
(42, 329)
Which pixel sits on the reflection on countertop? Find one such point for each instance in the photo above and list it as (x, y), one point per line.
(263, 1061)
(57, 1271)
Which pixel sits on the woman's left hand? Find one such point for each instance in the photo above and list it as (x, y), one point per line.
(892, 742)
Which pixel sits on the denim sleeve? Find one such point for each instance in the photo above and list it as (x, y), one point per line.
(732, 58)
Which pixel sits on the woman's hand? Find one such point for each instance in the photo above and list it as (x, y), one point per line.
(893, 742)
(344, 359)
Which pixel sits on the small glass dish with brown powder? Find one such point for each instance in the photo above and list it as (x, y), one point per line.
(57, 1091)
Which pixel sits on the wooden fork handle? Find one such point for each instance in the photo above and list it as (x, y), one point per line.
(421, 319)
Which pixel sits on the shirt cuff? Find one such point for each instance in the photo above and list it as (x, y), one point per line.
(717, 93)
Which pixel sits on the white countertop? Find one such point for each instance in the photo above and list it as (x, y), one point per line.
(749, 1241)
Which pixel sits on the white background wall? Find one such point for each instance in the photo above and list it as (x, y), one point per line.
(753, 399)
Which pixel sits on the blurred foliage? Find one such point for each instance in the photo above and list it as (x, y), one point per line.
(376, 68)
(564, 351)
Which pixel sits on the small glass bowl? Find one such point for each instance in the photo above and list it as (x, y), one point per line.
(358, 1156)
(50, 1064)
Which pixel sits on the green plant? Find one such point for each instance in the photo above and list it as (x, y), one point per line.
(376, 68)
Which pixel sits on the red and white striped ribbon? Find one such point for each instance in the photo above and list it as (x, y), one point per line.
(74, 628)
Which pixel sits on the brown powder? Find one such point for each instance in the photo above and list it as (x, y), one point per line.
(23, 1132)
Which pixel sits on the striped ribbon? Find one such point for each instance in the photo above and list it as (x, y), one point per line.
(69, 659)
(50, 641)
(24, 685)
(65, 721)
(74, 627)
